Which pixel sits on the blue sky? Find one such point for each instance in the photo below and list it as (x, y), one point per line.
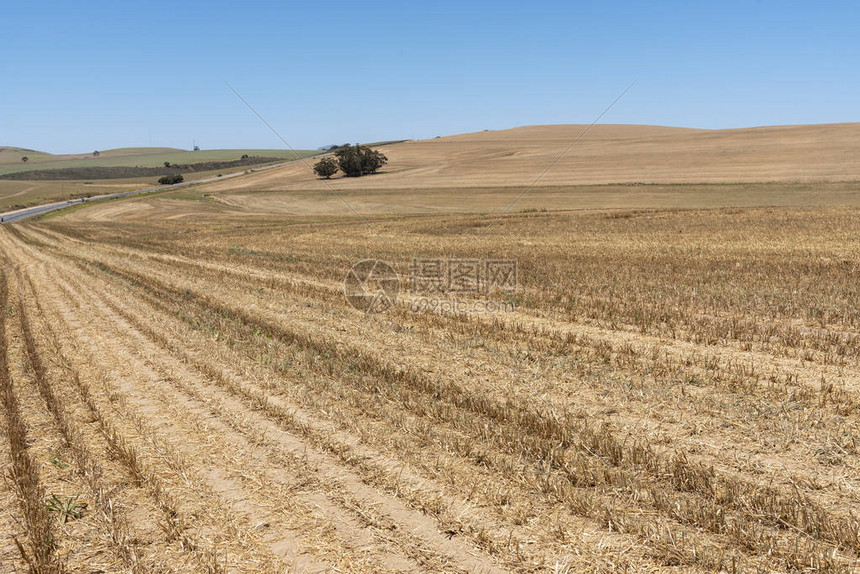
(96, 75)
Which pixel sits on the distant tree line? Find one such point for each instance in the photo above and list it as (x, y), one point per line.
(353, 161)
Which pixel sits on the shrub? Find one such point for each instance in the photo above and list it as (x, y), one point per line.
(171, 179)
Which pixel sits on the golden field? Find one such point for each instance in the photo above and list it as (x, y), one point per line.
(606, 154)
(611, 167)
(675, 388)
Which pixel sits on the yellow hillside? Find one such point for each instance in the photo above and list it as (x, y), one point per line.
(606, 154)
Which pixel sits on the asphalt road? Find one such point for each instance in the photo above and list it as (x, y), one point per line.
(19, 214)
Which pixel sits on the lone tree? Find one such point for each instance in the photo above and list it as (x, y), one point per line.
(167, 164)
(359, 160)
(25, 159)
(96, 153)
(326, 167)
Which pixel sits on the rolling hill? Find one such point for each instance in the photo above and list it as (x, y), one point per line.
(612, 166)
(10, 157)
(607, 154)
(46, 177)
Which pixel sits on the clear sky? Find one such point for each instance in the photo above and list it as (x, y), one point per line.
(78, 76)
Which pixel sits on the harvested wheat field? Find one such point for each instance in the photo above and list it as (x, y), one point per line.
(666, 390)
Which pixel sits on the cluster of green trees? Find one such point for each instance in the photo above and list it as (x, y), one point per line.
(353, 161)
(171, 179)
